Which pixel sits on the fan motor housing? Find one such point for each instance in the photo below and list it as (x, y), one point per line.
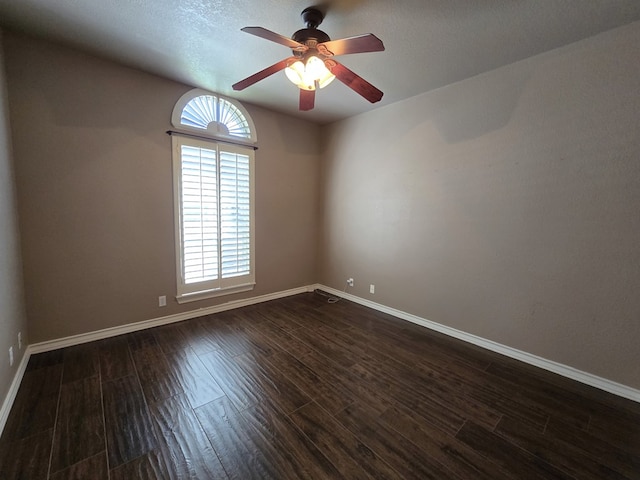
(302, 36)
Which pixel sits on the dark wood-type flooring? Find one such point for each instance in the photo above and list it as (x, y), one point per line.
(299, 388)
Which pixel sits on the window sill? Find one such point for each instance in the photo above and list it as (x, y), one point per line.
(218, 292)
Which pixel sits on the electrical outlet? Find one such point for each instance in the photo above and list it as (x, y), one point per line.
(19, 340)
(11, 356)
(162, 301)
(350, 282)
(372, 288)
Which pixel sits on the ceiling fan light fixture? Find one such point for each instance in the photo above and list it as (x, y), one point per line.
(309, 75)
(311, 65)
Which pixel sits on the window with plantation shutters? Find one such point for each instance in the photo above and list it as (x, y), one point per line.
(213, 192)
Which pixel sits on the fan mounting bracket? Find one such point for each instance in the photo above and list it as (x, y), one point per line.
(312, 17)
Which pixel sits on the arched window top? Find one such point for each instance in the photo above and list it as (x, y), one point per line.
(213, 116)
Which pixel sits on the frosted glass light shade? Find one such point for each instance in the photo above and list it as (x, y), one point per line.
(306, 76)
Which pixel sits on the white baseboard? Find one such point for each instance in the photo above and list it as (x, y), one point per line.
(564, 370)
(155, 322)
(13, 389)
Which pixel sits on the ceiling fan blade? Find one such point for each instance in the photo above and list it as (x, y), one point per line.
(274, 37)
(354, 82)
(262, 74)
(358, 44)
(307, 99)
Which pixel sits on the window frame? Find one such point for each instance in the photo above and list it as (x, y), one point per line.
(221, 285)
(211, 139)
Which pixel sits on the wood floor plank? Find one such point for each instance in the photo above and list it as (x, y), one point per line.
(45, 359)
(245, 316)
(79, 432)
(618, 428)
(509, 402)
(444, 386)
(442, 383)
(317, 318)
(596, 398)
(170, 337)
(142, 339)
(26, 458)
(413, 397)
(416, 339)
(277, 387)
(300, 458)
(555, 452)
(35, 406)
(323, 393)
(326, 346)
(225, 318)
(343, 380)
(115, 359)
(158, 380)
(187, 452)
(509, 457)
(347, 452)
(443, 447)
(231, 342)
(238, 385)
(253, 341)
(350, 340)
(595, 447)
(232, 439)
(283, 338)
(194, 378)
(198, 337)
(150, 466)
(80, 361)
(304, 302)
(282, 318)
(561, 404)
(409, 460)
(534, 385)
(346, 384)
(277, 461)
(128, 426)
(457, 350)
(94, 468)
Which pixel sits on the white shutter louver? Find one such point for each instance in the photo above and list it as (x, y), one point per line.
(199, 214)
(234, 214)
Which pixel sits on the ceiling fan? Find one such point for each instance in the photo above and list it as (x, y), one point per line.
(312, 65)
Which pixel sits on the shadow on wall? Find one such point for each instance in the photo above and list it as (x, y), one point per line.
(460, 113)
(80, 90)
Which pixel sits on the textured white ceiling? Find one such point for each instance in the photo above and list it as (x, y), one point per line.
(429, 43)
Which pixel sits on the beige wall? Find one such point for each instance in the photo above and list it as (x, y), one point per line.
(506, 206)
(12, 311)
(94, 177)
